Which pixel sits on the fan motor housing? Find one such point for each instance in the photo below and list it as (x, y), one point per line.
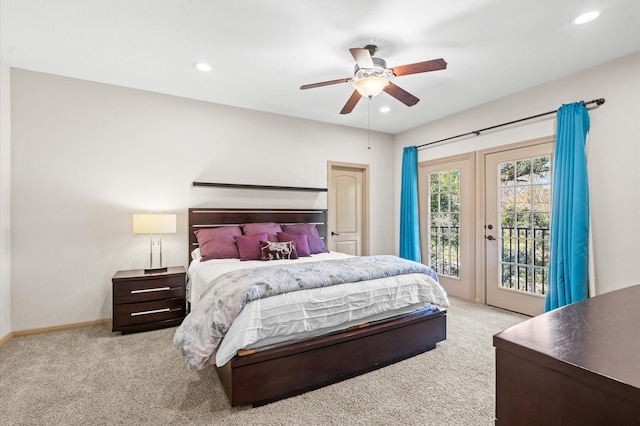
(379, 70)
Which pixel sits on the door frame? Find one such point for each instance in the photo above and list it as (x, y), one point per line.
(481, 219)
(364, 169)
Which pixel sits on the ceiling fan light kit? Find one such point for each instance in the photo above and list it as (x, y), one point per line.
(370, 86)
(371, 77)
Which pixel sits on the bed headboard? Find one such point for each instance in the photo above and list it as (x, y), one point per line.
(212, 218)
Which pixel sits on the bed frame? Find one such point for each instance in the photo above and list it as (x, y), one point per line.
(258, 377)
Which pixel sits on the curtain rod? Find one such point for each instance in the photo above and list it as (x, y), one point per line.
(598, 102)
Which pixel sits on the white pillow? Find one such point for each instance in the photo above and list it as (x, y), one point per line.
(195, 254)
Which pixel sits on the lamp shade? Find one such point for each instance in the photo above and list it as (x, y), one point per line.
(370, 86)
(149, 223)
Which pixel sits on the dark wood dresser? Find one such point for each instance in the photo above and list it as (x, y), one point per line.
(576, 365)
(144, 302)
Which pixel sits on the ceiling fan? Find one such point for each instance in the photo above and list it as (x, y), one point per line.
(371, 76)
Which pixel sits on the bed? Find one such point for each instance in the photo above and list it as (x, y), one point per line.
(263, 369)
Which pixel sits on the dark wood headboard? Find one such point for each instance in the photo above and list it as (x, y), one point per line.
(213, 218)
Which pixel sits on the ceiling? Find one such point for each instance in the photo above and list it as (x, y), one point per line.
(262, 51)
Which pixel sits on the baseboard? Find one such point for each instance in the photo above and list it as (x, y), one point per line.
(42, 330)
(5, 338)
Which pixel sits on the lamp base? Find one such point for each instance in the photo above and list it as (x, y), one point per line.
(155, 270)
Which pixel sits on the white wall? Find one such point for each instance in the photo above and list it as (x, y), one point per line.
(5, 200)
(613, 154)
(86, 156)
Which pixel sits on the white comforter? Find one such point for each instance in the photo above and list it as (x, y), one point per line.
(313, 312)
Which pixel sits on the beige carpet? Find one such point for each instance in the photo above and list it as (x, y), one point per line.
(93, 377)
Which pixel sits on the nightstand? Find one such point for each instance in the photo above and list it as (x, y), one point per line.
(144, 302)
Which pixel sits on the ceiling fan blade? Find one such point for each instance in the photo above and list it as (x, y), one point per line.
(400, 94)
(325, 83)
(362, 57)
(432, 65)
(351, 103)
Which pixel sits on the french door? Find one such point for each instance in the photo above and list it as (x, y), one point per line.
(516, 233)
(447, 206)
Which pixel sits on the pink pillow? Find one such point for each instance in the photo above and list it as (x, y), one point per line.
(218, 243)
(270, 250)
(299, 240)
(316, 245)
(249, 245)
(270, 228)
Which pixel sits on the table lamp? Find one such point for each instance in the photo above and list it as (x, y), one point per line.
(150, 223)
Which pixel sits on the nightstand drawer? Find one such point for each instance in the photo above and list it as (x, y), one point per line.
(148, 290)
(149, 312)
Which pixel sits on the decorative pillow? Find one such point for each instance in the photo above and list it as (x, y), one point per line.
(249, 245)
(270, 228)
(218, 243)
(270, 250)
(300, 241)
(316, 245)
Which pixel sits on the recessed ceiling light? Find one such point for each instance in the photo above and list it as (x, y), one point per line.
(586, 17)
(385, 109)
(201, 66)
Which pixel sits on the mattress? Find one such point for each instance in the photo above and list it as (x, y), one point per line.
(313, 312)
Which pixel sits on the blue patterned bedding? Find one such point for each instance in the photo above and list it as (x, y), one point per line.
(203, 329)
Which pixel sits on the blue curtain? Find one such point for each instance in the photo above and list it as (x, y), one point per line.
(409, 220)
(569, 251)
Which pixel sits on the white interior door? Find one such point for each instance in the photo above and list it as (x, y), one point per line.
(517, 214)
(347, 209)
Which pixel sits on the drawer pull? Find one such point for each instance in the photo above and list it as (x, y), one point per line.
(147, 290)
(156, 311)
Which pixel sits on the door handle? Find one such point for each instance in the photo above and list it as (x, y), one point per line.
(334, 233)
(489, 237)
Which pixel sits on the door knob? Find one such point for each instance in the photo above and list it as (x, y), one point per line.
(334, 233)
(490, 237)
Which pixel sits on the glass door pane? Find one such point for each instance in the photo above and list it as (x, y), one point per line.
(524, 188)
(444, 222)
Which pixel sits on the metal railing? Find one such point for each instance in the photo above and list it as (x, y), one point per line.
(524, 259)
(446, 252)
(524, 254)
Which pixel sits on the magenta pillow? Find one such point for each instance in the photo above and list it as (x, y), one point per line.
(270, 228)
(301, 242)
(218, 243)
(316, 245)
(249, 245)
(270, 250)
